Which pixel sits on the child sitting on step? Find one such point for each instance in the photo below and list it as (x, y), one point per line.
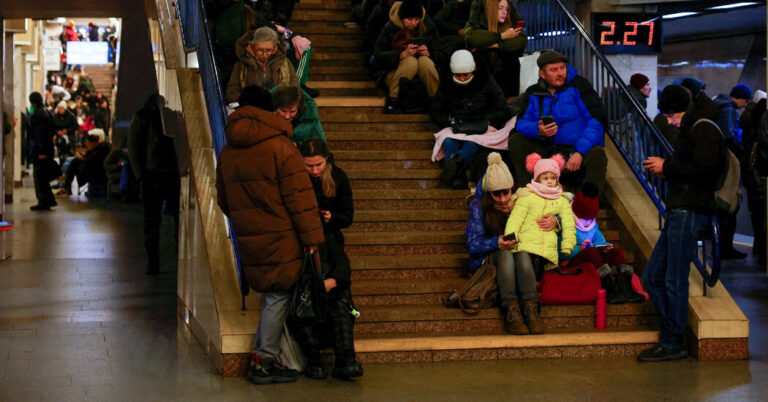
(591, 246)
(537, 249)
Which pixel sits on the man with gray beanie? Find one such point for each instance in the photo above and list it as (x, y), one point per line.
(563, 115)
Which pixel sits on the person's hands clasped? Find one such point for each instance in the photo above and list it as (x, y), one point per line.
(506, 245)
(547, 131)
(574, 162)
(547, 223)
(422, 50)
(511, 33)
(410, 50)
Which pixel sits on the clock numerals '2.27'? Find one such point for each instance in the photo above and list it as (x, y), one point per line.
(628, 35)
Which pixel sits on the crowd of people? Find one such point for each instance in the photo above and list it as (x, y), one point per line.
(91, 33)
(534, 156)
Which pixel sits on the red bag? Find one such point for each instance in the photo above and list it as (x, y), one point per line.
(570, 285)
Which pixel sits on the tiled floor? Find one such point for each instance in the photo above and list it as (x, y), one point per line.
(80, 321)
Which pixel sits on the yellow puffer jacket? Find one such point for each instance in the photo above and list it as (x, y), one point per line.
(522, 222)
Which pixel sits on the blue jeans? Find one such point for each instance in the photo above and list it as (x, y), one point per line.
(464, 149)
(666, 275)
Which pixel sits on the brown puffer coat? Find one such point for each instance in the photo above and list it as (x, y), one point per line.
(265, 189)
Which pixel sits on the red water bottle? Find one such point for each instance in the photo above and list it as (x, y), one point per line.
(601, 310)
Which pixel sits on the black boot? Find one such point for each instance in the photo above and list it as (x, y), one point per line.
(613, 292)
(623, 276)
(347, 367)
(391, 106)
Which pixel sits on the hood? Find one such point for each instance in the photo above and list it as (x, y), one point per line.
(724, 100)
(249, 125)
(395, 19)
(246, 58)
(701, 108)
(572, 73)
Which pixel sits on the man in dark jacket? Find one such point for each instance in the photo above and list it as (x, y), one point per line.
(691, 176)
(378, 17)
(564, 115)
(89, 167)
(450, 21)
(728, 120)
(262, 185)
(40, 148)
(468, 94)
(152, 157)
(397, 53)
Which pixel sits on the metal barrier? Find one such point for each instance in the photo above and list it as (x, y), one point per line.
(551, 25)
(196, 36)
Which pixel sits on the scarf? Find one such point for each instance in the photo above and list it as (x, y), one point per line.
(584, 225)
(549, 193)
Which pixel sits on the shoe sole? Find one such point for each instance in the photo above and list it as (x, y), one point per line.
(270, 380)
(679, 356)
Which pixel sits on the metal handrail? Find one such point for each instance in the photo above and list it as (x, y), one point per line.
(551, 25)
(196, 35)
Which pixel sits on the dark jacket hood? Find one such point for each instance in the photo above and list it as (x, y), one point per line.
(701, 108)
(724, 100)
(249, 125)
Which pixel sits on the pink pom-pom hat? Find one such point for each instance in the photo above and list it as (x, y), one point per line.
(537, 165)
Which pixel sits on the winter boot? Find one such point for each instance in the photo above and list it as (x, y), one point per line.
(531, 314)
(450, 166)
(613, 292)
(269, 371)
(513, 320)
(347, 368)
(623, 276)
(391, 106)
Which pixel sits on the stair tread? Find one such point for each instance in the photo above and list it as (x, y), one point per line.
(385, 215)
(403, 238)
(394, 174)
(381, 155)
(359, 262)
(401, 287)
(409, 194)
(349, 101)
(340, 84)
(380, 136)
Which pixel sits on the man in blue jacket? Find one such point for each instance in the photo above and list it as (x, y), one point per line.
(563, 115)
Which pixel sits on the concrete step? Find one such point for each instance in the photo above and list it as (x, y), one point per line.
(396, 250)
(376, 262)
(400, 226)
(322, 5)
(385, 164)
(346, 89)
(361, 77)
(349, 69)
(366, 114)
(409, 216)
(309, 28)
(381, 126)
(359, 156)
(378, 136)
(403, 238)
(356, 57)
(354, 104)
(333, 40)
(345, 145)
(426, 347)
(317, 15)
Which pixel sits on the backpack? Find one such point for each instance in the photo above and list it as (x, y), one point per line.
(728, 190)
(480, 292)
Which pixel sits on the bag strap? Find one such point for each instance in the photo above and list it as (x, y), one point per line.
(465, 310)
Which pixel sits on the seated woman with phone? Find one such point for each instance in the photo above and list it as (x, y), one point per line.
(495, 28)
(334, 200)
(488, 215)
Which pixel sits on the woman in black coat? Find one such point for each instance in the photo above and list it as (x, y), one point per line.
(334, 199)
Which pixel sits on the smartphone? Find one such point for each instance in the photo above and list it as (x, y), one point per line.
(420, 41)
(547, 120)
(603, 246)
(509, 237)
(520, 24)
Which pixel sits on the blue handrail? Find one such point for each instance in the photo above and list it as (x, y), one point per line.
(196, 35)
(551, 25)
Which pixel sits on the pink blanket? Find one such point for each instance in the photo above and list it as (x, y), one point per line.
(494, 139)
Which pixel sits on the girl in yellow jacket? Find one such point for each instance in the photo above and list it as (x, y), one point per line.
(535, 248)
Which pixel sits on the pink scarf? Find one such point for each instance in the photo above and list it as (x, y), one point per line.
(549, 193)
(584, 225)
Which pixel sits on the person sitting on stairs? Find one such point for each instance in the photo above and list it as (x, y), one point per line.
(409, 45)
(334, 198)
(488, 213)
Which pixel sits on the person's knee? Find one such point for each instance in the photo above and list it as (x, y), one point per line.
(596, 157)
(426, 65)
(408, 66)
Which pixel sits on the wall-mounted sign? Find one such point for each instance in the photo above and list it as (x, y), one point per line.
(632, 33)
(52, 55)
(87, 53)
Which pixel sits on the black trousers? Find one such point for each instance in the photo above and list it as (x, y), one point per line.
(159, 191)
(43, 190)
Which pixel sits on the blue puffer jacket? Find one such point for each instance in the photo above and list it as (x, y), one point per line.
(478, 244)
(576, 108)
(594, 235)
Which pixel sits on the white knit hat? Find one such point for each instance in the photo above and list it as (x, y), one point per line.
(497, 176)
(61, 104)
(462, 62)
(759, 95)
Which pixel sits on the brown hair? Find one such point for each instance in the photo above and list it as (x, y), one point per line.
(286, 96)
(492, 15)
(316, 147)
(494, 221)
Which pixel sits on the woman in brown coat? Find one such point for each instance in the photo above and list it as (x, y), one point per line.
(264, 188)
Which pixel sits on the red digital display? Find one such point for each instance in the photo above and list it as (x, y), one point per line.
(627, 32)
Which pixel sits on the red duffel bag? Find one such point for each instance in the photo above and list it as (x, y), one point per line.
(570, 285)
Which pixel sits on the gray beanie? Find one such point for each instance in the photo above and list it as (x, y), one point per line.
(497, 176)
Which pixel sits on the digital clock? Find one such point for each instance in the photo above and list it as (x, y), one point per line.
(632, 33)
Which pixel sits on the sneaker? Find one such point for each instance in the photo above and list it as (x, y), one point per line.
(269, 372)
(355, 369)
(662, 354)
(39, 207)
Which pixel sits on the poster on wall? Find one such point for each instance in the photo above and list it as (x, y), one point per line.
(51, 55)
(87, 53)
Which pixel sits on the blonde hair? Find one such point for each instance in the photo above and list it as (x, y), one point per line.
(492, 15)
(316, 147)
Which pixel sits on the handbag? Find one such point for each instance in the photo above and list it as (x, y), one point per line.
(308, 299)
(570, 285)
(480, 292)
(470, 126)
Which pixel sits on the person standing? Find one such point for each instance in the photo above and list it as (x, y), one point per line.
(263, 186)
(690, 200)
(41, 151)
(152, 156)
(640, 88)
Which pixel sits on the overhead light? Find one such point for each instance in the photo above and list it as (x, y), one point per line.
(734, 5)
(679, 15)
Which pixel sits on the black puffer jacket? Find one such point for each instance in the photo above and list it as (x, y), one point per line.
(378, 17)
(452, 17)
(692, 173)
(388, 58)
(481, 98)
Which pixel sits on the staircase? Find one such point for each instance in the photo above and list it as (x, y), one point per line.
(103, 78)
(407, 246)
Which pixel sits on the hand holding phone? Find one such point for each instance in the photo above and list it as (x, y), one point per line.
(547, 120)
(509, 237)
(520, 24)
